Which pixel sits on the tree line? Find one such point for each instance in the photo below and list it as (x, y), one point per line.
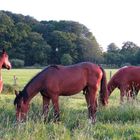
(30, 42)
(128, 54)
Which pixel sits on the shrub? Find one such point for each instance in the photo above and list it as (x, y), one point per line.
(36, 65)
(17, 63)
(66, 59)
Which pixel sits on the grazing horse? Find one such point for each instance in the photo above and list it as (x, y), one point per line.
(127, 80)
(57, 80)
(4, 63)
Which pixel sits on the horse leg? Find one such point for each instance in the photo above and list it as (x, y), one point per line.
(123, 92)
(91, 98)
(134, 93)
(128, 94)
(56, 108)
(88, 103)
(46, 102)
(121, 96)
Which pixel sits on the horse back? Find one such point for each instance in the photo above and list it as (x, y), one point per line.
(73, 78)
(132, 74)
(126, 75)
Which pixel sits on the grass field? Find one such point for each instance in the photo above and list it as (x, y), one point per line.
(114, 122)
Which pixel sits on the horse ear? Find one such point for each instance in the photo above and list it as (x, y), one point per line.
(16, 92)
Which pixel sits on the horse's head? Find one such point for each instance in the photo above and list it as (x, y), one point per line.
(4, 61)
(22, 106)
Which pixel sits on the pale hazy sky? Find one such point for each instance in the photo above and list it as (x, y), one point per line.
(109, 20)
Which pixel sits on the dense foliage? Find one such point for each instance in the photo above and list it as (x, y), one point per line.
(129, 54)
(46, 42)
(30, 42)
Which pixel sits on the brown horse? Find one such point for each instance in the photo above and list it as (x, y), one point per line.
(4, 63)
(127, 80)
(56, 80)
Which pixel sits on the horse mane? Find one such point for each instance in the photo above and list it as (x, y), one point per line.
(50, 66)
(54, 66)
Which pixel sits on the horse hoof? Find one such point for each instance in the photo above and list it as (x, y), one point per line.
(92, 121)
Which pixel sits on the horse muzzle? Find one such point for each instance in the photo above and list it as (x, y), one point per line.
(21, 117)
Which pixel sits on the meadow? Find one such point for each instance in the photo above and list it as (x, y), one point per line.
(114, 122)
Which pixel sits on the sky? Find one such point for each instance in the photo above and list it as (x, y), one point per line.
(110, 21)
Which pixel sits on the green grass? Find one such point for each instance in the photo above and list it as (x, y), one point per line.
(22, 75)
(114, 122)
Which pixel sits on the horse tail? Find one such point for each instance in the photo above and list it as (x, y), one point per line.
(103, 88)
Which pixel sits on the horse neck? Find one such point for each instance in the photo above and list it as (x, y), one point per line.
(111, 86)
(32, 89)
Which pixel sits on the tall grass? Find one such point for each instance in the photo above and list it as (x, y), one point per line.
(117, 122)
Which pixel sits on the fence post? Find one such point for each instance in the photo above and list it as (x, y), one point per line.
(15, 80)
